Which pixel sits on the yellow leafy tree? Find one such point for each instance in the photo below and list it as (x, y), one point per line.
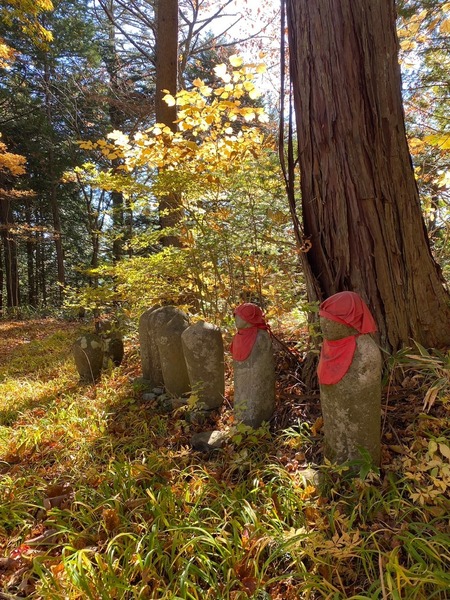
(216, 130)
(221, 163)
(26, 13)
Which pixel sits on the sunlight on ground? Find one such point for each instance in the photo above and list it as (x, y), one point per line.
(102, 497)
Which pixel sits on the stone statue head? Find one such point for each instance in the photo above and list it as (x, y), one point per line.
(331, 330)
(249, 315)
(345, 314)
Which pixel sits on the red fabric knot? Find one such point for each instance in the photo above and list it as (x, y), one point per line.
(336, 355)
(245, 339)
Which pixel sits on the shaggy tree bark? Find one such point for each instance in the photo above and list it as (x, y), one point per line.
(360, 202)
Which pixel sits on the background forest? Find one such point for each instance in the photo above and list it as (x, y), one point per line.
(108, 207)
(81, 217)
(78, 217)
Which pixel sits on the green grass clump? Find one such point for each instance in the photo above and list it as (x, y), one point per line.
(102, 498)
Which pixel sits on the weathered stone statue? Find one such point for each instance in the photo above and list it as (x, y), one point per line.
(254, 368)
(149, 325)
(203, 352)
(168, 341)
(88, 355)
(349, 375)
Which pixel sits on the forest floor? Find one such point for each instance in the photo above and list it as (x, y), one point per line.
(102, 497)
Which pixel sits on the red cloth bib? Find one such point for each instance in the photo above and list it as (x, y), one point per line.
(336, 355)
(245, 339)
(335, 359)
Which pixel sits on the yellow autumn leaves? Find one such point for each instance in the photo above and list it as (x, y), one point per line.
(441, 143)
(7, 55)
(420, 26)
(214, 128)
(26, 13)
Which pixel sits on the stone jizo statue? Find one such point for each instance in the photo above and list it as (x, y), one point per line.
(150, 324)
(170, 349)
(254, 368)
(349, 375)
(203, 352)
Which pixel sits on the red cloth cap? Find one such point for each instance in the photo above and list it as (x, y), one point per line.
(251, 313)
(336, 355)
(349, 309)
(245, 339)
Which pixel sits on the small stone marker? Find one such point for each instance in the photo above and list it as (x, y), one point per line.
(207, 441)
(203, 352)
(168, 342)
(88, 355)
(349, 375)
(254, 368)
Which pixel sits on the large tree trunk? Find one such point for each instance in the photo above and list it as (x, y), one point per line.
(166, 79)
(166, 60)
(360, 202)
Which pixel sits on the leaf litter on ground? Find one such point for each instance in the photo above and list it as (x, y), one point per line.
(102, 497)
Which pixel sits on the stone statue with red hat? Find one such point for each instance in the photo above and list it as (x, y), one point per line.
(349, 374)
(254, 367)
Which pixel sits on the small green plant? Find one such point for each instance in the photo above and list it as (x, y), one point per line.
(243, 435)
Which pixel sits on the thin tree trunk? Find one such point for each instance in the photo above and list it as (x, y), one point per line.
(11, 275)
(40, 263)
(57, 235)
(53, 188)
(360, 201)
(117, 211)
(30, 247)
(2, 279)
(128, 227)
(166, 79)
(117, 119)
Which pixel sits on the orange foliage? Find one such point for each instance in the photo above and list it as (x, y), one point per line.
(13, 164)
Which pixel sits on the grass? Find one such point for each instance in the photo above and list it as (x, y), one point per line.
(102, 498)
